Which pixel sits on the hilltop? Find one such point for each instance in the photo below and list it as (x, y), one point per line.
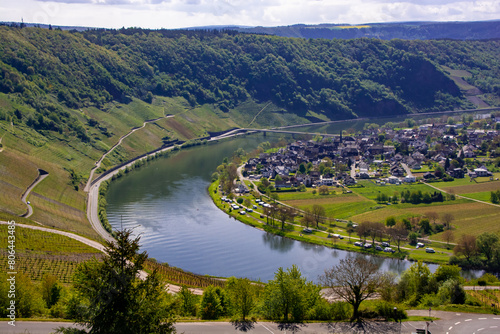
(480, 30)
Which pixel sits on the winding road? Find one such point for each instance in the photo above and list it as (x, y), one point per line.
(24, 198)
(98, 162)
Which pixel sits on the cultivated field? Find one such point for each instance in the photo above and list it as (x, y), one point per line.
(39, 253)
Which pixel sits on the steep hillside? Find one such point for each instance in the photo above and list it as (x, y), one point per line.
(67, 97)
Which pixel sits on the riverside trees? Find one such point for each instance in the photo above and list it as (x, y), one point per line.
(353, 280)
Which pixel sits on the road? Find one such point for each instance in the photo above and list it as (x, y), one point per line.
(98, 162)
(24, 197)
(448, 323)
(471, 199)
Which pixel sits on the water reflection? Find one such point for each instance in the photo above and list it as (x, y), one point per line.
(274, 242)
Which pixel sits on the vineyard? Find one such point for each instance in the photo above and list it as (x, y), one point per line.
(36, 265)
(180, 277)
(39, 253)
(486, 297)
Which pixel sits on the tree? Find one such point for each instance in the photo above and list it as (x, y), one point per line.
(447, 219)
(188, 302)
(307, 218)
(318, 213)
(288, 296)
(284, 213)
(390, 221)
(243, 296)
(448, 236)
(414, 283)
(51, 290)
(398, 233)
(115, 299)
(323, 190)
(485, 243)
(363, 230)
(432, 215)
(466, 246)
(211, 307)
(354, 280)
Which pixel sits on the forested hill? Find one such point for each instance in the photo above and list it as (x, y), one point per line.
(331, 79)
(479, 30)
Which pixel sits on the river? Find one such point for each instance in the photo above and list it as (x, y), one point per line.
(168, 205)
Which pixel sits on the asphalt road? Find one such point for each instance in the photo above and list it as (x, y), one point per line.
(24, 198)
(449, 323)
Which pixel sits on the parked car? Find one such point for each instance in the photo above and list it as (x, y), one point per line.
(385, 244)
(389, 250)
(242, 212)
(358, 243)
(307, 230)
(420, 245)
(367, 245)
(378, 248)
(255, 206)
(249, 210)
(338, 236)
(430, 250)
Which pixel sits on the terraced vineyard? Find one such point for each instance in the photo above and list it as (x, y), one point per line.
(39, 253)
(178, 276)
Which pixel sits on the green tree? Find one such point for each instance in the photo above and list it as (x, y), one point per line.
(188, 302)
(51, 290)
(113, 297)
(390, 221)
(243, 296)
(211, 307)
(414, 283)
(288, 296)
(354, 280)
(486, 243)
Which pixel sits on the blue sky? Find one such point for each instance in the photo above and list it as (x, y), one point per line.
(189, 13)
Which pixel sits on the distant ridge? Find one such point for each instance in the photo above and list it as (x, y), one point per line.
(418, 30)
(479, 30)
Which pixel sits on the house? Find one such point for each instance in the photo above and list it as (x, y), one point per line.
(457, 173)
(327, 182)
(393, 180)
(409, 179)
(482, 171)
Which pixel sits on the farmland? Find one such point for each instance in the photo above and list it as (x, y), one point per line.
(39, 253)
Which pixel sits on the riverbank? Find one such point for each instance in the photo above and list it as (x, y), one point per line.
(334, 235)
(295, 231)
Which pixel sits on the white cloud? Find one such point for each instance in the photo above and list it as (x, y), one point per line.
(188, 13)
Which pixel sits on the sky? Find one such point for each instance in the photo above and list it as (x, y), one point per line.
(171, 14)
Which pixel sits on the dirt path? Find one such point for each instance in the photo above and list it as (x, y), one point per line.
(24, 198)
(471, 199)
(98, 162)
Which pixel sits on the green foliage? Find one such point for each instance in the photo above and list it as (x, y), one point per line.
(112, 297)
(51, 70)
(29, 301)
(211, 307)
(288, 296)
(243, 295)
(188, 302)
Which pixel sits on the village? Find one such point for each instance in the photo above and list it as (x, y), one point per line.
(428, 152)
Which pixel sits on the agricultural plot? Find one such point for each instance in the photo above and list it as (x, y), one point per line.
(181, 277)
(470, 218)
(39, 253)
